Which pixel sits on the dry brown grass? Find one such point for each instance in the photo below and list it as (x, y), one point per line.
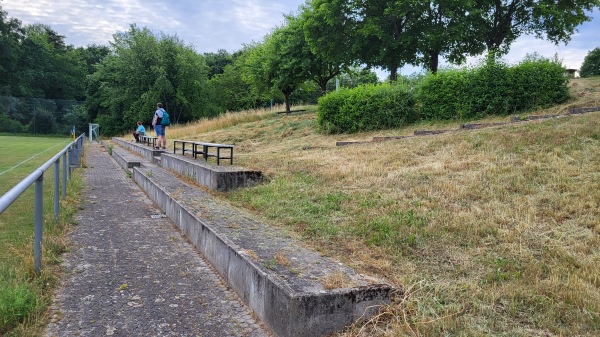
(490, 232)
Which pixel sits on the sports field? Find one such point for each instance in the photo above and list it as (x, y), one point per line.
(22, 295)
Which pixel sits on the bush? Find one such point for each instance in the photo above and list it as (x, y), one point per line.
(492, 89)
(537, 84)
(366, 108)
(445, 95)
(489, 89)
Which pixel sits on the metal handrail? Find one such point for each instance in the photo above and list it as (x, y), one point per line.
(72, 153)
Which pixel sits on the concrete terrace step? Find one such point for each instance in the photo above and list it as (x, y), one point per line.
(124, 158)
(220, 178)
(288, 287)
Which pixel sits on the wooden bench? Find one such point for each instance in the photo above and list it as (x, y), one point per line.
(148, 139)
(202, 148)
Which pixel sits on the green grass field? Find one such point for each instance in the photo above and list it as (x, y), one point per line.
(490, 232)
(24, 297)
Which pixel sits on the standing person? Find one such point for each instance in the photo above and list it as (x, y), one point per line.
(159, 128)
(140, 131)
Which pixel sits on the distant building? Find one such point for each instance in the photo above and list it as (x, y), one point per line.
(572, 73)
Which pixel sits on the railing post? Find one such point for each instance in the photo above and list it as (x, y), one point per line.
(70, 161)
(38, 226)
(64, 174)
(56, 189)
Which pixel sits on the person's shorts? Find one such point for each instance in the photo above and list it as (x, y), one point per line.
(160, 130)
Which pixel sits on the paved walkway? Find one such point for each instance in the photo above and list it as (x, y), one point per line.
(129, 274)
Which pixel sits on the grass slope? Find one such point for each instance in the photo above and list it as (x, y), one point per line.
(486, 232)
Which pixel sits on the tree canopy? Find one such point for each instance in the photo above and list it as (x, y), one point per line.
(591, 64)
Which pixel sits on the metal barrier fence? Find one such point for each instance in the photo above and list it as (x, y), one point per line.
(71, 153)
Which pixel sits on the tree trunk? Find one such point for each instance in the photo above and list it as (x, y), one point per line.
(393, 73)
(434, 62)
(323, 86)
(287, 94)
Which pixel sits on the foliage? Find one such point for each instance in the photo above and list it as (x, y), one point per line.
(273, 66)
(492, 88)
(217, 62)
(384, 37)
(369, 107)
(537, 83)
(390, 34)
(445, 95)
(353, 77)
(442, 30)
(17, 300)
(141, 70)
(499, 23)
(591, 64)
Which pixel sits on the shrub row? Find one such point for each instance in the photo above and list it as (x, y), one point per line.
(492, 89)
(365, 108)
(467, 93)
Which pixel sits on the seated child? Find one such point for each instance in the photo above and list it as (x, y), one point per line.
(141, 131)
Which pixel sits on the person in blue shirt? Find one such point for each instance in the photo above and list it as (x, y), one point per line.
(140, 131)
(160, 129)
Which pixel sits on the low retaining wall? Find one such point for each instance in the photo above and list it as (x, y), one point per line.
(147, 152)
(216, 177)
(220, 178)
(125, 159)
(290, 306)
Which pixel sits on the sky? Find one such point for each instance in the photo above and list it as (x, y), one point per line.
(210, 25)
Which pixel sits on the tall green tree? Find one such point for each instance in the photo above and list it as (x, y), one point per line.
(92, 55)
(143, 69)
(217, 62)
(11, 35)
(591, 64)
(230, 92)
(443, 29)
(329, 31)
(500, 22)
(385, 33)
(48, 68)
(272, 66)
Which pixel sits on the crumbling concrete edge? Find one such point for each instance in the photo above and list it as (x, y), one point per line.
(218, 178)
(284, 312)
(125, 160)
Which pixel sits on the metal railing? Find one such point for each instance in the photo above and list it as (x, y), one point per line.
(72, 154)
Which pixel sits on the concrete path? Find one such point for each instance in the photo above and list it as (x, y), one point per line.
(129, 274)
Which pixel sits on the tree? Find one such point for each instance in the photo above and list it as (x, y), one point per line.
(591, 64)
(47, 68)
(143, 69)
(442, 29)
(11, 34)
(354, 77)
(272, 65)
(328, 33)
(385, 37)
(500, 22)
(217, 62)
(92, 55)
(229, 90)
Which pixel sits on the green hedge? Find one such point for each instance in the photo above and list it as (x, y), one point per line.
(366, 108)
(538, 84)
(492, 89)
